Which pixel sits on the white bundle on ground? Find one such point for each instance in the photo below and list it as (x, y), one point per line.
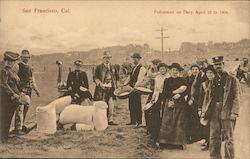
(84, 127)
(100, 115)
(61, 103)
(76, 114)
(46, 119)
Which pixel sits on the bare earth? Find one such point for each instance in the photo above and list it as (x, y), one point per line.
(117, 141)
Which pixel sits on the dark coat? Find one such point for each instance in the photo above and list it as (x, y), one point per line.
(99, 77)
(231, 97)
(75, 83)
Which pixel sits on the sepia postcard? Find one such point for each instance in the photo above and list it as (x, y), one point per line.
(124, 79)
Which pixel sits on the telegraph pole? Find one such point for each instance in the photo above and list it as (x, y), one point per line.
(162, 37)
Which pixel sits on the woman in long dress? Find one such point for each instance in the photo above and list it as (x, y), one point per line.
(155, 116)
(172, 132)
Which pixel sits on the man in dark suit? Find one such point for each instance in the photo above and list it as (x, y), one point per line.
(77, 84)
(105, 77)
(136, 77)
(225, 103)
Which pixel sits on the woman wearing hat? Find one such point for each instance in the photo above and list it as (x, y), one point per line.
(172, 132)
(9, 94)
(154, 111)
(151, 74)
(203, 103)
(194, 127)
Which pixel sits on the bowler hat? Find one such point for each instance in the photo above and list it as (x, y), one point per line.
(78, 62)
(25, 53)
(217, 59)
(176, 65)
(156, 61)
(195, 65)
(136, 55)
(11, 56)
(211, 68)
(106, 54)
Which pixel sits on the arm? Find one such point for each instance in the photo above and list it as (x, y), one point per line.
(69, 80)
(34, 85)
(85, 80)
(236, 96)
(140, 76)
(96, 76)
(5, 85)
(201, 97)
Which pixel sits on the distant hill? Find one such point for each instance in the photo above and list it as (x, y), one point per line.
(187, 54)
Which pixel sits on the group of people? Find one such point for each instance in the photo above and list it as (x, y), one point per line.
(188, 107)
(184, 107)
(17, 79)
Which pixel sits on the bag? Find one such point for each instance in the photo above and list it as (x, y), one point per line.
(46, 119)
(100, 116)
(76, 114)
(61, 103)
(84, 127)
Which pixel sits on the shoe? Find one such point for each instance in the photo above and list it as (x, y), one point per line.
(204, 144)
(131, 124)
(205, 148)
(138, 126)
(112, 123)
(20, 132)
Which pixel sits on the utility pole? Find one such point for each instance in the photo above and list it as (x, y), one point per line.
(162, 37)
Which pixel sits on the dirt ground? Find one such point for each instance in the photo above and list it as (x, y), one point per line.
(120, 141)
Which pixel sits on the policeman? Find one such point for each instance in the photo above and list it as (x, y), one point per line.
(9, 93)
(77, 84)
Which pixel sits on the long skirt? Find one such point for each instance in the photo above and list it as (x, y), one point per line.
(194, 127)
(173, 124)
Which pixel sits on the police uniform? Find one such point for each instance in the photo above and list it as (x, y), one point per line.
(9, 95)
(77, 80)
(225, 103)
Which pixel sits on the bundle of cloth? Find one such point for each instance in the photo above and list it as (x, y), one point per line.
(62, 112)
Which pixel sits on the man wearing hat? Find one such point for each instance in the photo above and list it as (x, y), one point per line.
(27, 83)
(78, 85)
(10, 93)
(225, 103)
(136, 77)
(106, 77)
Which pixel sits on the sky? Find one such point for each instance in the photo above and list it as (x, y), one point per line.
(99, 24)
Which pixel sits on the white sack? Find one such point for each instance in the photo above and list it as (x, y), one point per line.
(61, 103)
(100, 115)
(46, 119)
(84, 127)
(76, 114)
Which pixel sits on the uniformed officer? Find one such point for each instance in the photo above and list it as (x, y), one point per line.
(225, 103)
(78, 85)
(27, 84)
(9, 93)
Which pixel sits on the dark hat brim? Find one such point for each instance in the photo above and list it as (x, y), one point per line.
(177, 67)
(139, 57)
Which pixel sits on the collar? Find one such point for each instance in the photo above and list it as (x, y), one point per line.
(24, 63)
